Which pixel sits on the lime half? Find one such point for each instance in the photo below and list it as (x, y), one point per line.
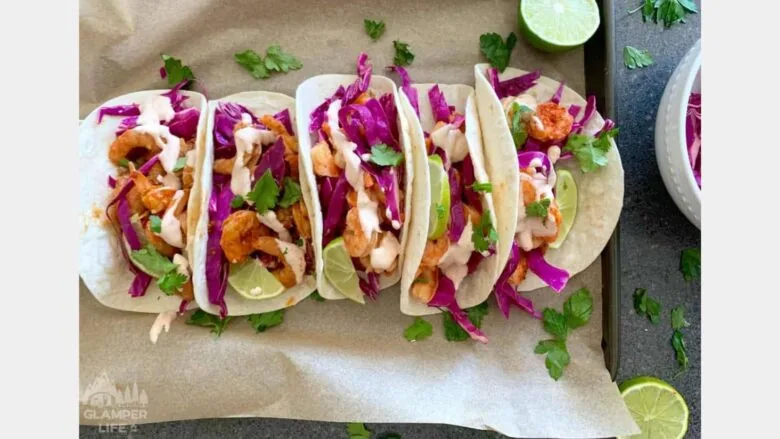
(658, 409)
(340, 272)
(558, 25)
(253, 281)
(440, 198)
(566, 197)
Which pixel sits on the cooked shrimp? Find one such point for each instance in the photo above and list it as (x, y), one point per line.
(124, 146)
(285, 216)
(183, 223)
(323, 160)
(268, 245)
(290, 143)
(352, 198)
(354, 239)
(186, 146)
(529, 192)
(366, 261)
(472, 214)
(224, 166)
(543, 240)
(186, 291)
(155, 198)
(301, 218)
(133, 196)
(239, 232)
(187, 177)
(158, 243)
(292, 162)
(156, 171)
(519, 274)
(434, 250)
(426, 280)
(555, 120)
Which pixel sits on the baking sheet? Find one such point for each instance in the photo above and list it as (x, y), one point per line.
(329, 361)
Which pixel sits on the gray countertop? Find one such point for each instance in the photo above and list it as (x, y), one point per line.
(653, 233)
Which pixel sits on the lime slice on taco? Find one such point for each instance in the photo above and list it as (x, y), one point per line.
(566, 197)
(340, 271)
(440, 198)
(253, 281)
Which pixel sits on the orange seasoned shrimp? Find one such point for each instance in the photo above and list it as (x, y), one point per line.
(538, 241)
(285, 216)
(182, 217)
(301, 218)
(224, 166)
(426, 280)
(529, 192)
(158, 243)
(292, 162)
(239, 232)
(187, 177)
(354, 239)
(519, 274)
(323, 161)
(290, 143)
(155, 198)
(434, 250)
(556, 123)
(352, 198)
(186, 291)
(157, 170)
(285, 274)
(472, 214)
(133, 196)
(124, 146)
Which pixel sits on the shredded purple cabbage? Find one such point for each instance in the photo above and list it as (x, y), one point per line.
(111, 182)
(358, 124)
(319, 115)
(370, 285)
(336, 210)
(462, 319)
(119, 110)
(327, 186)
(514, 86)
(590, 109)
(445, 293)
(273, 159)
(505, 293)
(361, 85)
(555, 277)
(406, 87)
(693, 135)
(441, 111)
(185, 123)
(457, 213)
(384, 127)
(216, 264)
(574, 110)
(177, 98)
(556, 98)
(284, 117)
(467, 179)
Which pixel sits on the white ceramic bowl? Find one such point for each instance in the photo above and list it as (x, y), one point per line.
(671, 152)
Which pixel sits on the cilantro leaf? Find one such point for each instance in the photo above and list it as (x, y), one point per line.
(590, 152)
(653, 311)
(484, 235)
(316, 297)
(252, 62)
(181, 162)
(556, 362)
(265, 320)
(264, 194)
(374, 29)
(555, 323)
(175, 71)
(419, 330)
(578, 308)
(648, 10)
(237, 202)
(153, 262)
(689, 6)
(482, 187)
(292, 193)
(171, 281)
(538, 208)
(678, 318)
(453, 331)
(640, 301)
(690, 263)
(383, 155)
(680, 351)
(519, 133)
(403, 56)
(636, 58)
(125, 163)
(670, 12)
(206, 320)
(278, 60)
(546, 346)
(155, 223)
(357, 430)
(495, 50)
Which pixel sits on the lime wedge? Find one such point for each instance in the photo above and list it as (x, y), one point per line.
(340, 272)
(658, 409)
(566, 197)
(558, 25)
(440, 198)
(253, 281)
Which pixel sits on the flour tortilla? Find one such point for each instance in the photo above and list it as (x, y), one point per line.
(600, 193)
(309, 95)
(475, 288)
(259, 103)
(102, 267)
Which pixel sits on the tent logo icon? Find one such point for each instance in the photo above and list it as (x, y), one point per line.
(103, 393)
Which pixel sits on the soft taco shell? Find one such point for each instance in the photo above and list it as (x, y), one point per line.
(102, 267)
(260, 103)
(600, 193)
(475, 288)
(309, 95)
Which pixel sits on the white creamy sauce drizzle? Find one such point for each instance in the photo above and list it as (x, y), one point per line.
(452, 141)
(383, 256)
(295, 258)
(171, 181)
(190, 158)
(246, 138)
(529, 227)
(453, 263)
(163, 321)
(168, 143)
(182, 266)
(367, 213)
(246, 118)
(170, 227)
(156, 110)
(269, 220)
(524, 99)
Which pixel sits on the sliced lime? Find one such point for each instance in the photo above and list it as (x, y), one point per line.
(658, 409)
(340, 272)
(566, 197)
(253, 281)
(440, 198)
(558, 25)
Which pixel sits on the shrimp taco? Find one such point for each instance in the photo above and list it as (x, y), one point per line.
(558, 180)
(356, 154)
(254, 250)
(450, 260)
(139, 159)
